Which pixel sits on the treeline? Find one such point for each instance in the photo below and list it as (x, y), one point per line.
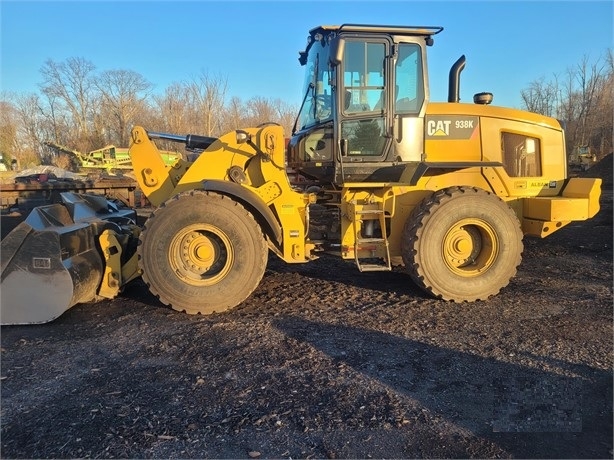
(583, 98)
(85, 109)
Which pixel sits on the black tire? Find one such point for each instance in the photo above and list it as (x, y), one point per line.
(201, 252)
(462, 244)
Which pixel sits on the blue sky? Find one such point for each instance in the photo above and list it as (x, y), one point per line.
(255, 44)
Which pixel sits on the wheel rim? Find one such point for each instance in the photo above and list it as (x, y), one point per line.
(201, 255)
(470, 247)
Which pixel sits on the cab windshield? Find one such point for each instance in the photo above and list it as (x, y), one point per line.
(317, 100)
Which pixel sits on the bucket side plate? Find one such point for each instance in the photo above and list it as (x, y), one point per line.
(45, 272)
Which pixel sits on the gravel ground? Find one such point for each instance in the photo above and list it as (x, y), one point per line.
(325, 362)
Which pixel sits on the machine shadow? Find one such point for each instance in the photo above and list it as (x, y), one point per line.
(533, 411)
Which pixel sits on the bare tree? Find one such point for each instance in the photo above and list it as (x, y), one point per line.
(258, 110)
(261, 110)
(541, 97)
(174, 109)
(56, 119)
(8, 131)
(583, 101)
(22, 128)
(602, 134)
(570, 106)
(286, 114)
(208, 94)
(589, 78)
(122, 95)
(234, 114)
(71, 84)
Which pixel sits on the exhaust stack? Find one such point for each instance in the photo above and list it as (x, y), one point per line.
(454, 79)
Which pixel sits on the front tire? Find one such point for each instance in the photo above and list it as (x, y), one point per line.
(462, 244)
(202, 252)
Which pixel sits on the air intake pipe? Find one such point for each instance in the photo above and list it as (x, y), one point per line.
(454, 79)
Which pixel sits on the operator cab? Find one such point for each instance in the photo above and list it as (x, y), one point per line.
(364, 98)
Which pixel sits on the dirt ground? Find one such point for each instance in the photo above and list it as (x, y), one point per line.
(325, 362)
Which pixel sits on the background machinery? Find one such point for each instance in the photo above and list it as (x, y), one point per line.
(106, 159)
(381, 175)
(581, 158)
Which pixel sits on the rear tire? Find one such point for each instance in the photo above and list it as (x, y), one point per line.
(201, 252)
(462, 244)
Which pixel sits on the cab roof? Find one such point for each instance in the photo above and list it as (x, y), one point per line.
(394, 30)
(318, 33)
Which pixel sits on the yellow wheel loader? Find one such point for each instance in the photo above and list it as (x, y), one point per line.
(374, 172)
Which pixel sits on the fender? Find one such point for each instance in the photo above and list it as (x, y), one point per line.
(247, 196)
(420, 169)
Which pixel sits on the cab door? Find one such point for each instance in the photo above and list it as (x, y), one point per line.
(364, 128)
(382, 96)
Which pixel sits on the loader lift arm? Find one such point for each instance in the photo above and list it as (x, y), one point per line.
(246, 165)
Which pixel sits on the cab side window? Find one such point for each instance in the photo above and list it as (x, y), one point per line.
(409, 90)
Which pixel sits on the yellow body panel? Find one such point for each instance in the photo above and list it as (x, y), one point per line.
(579, 201)
(484, 144)
(446, 108)
(557, 209)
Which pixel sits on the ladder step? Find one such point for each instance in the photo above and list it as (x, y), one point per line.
(372, 264)
(371, 211)
(374, 268)
(370, 240)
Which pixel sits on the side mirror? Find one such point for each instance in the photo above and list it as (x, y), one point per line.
(337, 48)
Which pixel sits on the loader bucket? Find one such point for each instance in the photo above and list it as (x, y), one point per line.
(51, 261)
